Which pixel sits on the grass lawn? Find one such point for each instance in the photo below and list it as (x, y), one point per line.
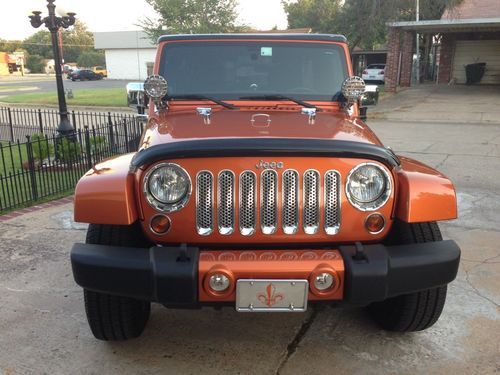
(16, 187)
(381, 90)
(11, 157)
(10, 88)
(109, 97)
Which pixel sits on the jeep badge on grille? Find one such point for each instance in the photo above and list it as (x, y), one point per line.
(269, 165)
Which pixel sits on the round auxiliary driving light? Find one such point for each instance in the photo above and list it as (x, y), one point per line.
(323, 281)
(353, 88)
(375, 223)
(156, 87)
(219, 282)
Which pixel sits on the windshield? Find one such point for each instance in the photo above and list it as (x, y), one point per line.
(231, 70)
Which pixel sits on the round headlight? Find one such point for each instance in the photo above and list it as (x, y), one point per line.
(368, 186)
(167, 187)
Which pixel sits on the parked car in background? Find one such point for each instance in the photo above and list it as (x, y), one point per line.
(84, 74)
(374, 72)
(100, 70)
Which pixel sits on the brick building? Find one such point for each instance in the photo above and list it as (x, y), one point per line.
(467, 34)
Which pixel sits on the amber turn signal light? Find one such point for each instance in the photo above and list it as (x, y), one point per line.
(160, 224)
(375, 223)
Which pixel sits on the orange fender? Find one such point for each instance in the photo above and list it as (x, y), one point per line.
(105, 194)
(424, 194)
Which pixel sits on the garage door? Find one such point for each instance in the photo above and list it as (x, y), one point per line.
(471, 51)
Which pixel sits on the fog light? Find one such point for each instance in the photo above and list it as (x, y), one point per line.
(160, 224)
(375, 223)
(323, 281)
(219, 282)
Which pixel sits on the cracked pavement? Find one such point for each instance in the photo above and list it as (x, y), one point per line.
(43, 328)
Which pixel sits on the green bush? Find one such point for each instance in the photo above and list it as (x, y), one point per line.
(97, 144)
(35, 64)
(42, 149)
(68, 150)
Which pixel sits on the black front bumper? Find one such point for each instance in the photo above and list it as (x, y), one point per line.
(169, 275)
(389, 271)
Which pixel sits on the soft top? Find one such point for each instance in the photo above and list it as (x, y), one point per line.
(263, 36)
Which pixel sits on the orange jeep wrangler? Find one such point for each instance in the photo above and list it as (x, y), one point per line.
(257, 186)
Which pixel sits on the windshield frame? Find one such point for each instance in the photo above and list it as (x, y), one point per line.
(336, 97)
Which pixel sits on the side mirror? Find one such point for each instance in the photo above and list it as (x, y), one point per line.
(370, 96)
(136, 97)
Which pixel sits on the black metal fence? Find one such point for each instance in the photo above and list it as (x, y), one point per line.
(45, 165)
(17, 123)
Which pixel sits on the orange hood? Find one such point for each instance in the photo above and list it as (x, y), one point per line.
(182, 125)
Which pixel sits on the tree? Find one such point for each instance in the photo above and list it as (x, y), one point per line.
(363, 22)
(317, 14)
(35, 63)
(190, 16)
(75, 40)
(90, 59)
(9, 46)
(39, 43)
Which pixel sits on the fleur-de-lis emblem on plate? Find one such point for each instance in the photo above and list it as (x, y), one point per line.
(270, 298)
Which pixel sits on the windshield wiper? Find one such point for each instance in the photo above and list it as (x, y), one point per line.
(281, 97)
(203, 97)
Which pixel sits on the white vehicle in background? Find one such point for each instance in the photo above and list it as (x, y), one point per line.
(374, 72)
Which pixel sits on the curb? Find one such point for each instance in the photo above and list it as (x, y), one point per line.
(38, 207)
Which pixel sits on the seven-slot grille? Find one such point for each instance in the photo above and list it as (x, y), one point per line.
(218, 198)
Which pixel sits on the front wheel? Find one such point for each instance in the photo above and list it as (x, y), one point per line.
(415, 311)
(114, 318)
(410, 312)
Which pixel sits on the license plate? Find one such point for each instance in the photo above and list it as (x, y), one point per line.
(271, 295)
(372, 76)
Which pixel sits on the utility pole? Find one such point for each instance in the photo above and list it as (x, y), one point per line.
(417, 63)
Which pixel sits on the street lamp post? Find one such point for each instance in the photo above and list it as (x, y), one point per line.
(54, 23)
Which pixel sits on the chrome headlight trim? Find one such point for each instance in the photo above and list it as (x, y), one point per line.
(378, 202)
(166, 207)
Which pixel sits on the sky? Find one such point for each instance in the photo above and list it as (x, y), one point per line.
(120, 15)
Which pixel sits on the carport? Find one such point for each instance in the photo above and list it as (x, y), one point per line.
(447, 46)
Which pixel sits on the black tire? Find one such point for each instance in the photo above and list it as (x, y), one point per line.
(115, 318)
(415, 311)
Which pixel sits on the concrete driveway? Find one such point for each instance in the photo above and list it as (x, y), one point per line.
(43, 328)
(441, 103)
